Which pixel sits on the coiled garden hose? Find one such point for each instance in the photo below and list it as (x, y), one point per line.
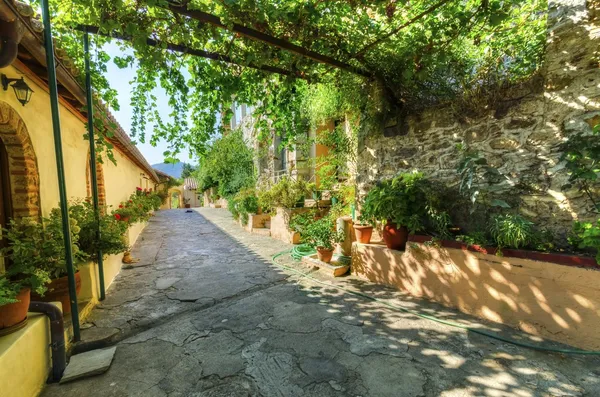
(302, 250)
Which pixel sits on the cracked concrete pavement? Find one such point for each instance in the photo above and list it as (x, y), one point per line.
(205, 313)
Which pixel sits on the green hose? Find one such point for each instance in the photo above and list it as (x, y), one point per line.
(302, 250)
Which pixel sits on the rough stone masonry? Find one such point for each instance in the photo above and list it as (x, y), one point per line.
(521, 137)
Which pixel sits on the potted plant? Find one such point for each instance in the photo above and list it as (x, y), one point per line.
(322, 236)
(186, 202)
(51, 250)
(112, 237)
(23, 274)
(401, 203)
(364, 228)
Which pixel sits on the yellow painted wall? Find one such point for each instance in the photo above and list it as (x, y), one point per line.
(120, 179)
(25, 358)
(90, 284)
(557, 302)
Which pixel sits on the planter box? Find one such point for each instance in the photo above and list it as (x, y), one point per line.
(551, 300)
(256, 221)
(561, 259)
(336, 268)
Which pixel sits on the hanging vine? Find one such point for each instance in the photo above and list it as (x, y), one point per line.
(417, 53)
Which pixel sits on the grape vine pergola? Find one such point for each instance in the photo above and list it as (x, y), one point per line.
(377, 56)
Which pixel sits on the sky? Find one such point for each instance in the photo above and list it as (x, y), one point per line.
(120, 79)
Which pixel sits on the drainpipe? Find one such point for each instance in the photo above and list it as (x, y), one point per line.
(90, 120)
(60, 167)
(57, 336)
(9, 42)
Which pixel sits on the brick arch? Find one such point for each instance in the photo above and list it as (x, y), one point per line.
(99, 179)
(23, 168)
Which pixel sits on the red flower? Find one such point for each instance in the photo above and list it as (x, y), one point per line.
(120, 205)
(138, 188)
(118, 217)
(131, 201)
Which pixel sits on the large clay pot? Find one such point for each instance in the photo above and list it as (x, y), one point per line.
(188, 206)
(58, 290)
(395, 237)
(363, 233)
(324, 254)
(14, 313)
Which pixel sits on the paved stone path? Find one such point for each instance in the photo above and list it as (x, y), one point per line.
(204, 313)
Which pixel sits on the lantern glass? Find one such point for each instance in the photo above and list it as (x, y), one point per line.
(22, 91)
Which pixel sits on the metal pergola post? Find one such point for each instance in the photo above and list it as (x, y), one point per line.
(62, 187)
(93, 178)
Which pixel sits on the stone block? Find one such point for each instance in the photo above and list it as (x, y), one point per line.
(94, 362)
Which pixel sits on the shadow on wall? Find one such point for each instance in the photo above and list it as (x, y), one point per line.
(557, 302)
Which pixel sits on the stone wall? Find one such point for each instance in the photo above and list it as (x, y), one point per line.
(521, 137)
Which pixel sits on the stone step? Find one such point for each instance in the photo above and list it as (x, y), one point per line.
(262, 231)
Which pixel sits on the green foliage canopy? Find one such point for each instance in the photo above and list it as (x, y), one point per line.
(415, 60)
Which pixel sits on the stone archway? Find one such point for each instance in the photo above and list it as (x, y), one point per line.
(176, 191)
(99, 179)
(23, 168)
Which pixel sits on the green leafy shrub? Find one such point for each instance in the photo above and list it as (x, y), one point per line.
(28, 242)
(243, 204)
(300, 221)
(286, 193)
(581, 152)
(138, 207)
(112, 237)
(228, 164)
(401, 200)
(322, 233)
(587, 235)
(512, 231)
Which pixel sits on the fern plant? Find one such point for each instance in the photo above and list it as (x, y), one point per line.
(512, 231)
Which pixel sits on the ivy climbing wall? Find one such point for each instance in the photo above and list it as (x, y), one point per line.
(520, 136)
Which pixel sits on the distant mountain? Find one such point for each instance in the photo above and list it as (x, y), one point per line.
(171, 169)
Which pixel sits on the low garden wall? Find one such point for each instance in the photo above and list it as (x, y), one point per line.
(257, 221)
(555, 301)
(280, 225)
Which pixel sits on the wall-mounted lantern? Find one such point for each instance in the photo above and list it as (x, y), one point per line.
(22, 90)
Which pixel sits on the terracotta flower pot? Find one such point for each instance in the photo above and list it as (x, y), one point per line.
(58, 290)
(324, 254)
(395, 237)
(363, 233)
(14, 313)
(188, 206)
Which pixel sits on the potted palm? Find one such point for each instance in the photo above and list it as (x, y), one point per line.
(24, 272)
(399, 202)
(322, 236)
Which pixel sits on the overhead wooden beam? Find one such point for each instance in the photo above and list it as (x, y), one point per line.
(193, 51)
(180, 8)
